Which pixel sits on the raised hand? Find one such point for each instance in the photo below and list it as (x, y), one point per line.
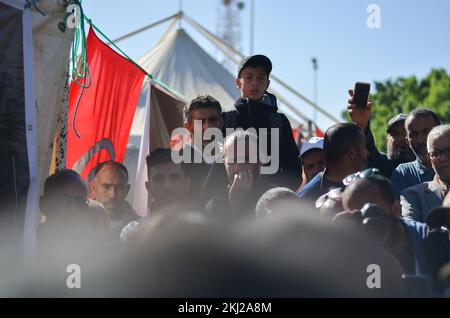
(359, 116)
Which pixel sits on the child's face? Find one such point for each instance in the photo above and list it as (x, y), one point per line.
(253, 82)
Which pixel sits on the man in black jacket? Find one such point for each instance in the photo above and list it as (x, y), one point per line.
(256, 108)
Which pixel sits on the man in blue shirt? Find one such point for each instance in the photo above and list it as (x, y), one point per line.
(418, 125)
(345, 154)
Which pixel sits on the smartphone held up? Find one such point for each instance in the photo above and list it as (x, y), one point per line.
(361, 94)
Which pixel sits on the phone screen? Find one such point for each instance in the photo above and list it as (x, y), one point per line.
(361, 94)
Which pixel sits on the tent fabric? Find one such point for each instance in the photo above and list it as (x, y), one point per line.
(18, 139)
(51, 60)
(179, 62)
(100, 115)
(14, 171)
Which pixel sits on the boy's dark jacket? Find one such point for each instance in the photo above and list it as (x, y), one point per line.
(264, 114)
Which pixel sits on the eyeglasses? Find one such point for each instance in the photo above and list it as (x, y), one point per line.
(439, 154)
(333, 194)
(361, 175)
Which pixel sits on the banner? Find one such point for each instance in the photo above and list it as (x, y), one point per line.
(18, 145)
(100, 116)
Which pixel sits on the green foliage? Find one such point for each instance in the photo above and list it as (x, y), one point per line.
(405, 94)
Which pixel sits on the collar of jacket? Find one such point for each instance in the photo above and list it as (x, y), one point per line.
(420, 167)
(441, 185)
(268, 103)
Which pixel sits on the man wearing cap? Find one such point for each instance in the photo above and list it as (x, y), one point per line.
(312, 157)
(256, 108)
(345, 152)
(398, 149)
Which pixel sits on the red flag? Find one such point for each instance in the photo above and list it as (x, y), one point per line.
(295, 133)
(100, 116)
(319, 133)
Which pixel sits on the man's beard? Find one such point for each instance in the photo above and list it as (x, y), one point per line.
(403, 156)
(423, 158)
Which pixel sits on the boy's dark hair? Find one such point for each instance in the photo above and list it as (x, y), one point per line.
(59, 179)
(272, 196)
(338, 139)
(201, 102)
(109, 163)
(423, 112)
(364, 184)
(161, 156)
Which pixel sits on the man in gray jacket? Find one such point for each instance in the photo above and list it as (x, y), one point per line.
(417, 201)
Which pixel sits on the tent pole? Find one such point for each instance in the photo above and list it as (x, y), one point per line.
(180, 10)
(128, 35)
(252, 26)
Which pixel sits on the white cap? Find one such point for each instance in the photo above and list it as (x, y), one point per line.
(313, 143)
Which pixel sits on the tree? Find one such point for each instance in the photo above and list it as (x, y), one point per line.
(405, 94)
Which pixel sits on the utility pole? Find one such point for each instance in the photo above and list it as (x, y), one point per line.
(229, 26)
(315, 69)
(252, 26)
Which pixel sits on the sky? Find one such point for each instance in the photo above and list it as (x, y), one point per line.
(413, 38)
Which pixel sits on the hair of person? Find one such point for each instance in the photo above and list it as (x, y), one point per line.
(438, 132)
(59, 179)
(338, 139)
(110, 163)
(423, 112)
(271, 196)
(201, 102)
(161, 156)
(240, 134)
(364, 185)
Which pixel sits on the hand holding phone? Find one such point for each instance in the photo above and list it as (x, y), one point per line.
(359, 107)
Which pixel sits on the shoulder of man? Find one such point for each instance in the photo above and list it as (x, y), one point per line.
(130, 230)
(278, 120)
(402, 175)
(408, 168)
(310, 187)
(130, 214)
(411, 199)
(96, 206)
(418, 188)
(417, 230)
(230, 119)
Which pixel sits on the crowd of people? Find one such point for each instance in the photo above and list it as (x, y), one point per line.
(224, 229)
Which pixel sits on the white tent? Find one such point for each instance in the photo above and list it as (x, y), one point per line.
(178, 61)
